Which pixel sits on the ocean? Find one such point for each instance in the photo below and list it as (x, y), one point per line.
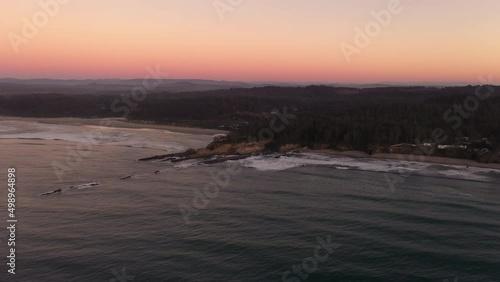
(295, 217)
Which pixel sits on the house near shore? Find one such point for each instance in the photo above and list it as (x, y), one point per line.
(454, 147)
(403, 148)
(220, 138)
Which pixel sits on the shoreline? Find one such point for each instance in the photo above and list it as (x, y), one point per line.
(122, 123)
(408, 157)
(117, 123)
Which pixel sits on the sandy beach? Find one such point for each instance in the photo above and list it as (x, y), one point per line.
(413, 158)
(122, 123)
(119, 123)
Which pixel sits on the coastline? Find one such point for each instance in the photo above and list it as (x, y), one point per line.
(403, 157)
(122, 123)
(118, 123)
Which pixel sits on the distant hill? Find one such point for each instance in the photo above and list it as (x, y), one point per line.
(115, 81)
(109, 86)
(113, 86)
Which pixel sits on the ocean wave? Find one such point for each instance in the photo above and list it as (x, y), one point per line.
(277, 163)
(99, 135)
(72, 187)
(274, 163)
(187, 164)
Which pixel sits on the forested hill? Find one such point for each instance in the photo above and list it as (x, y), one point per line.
(355, 118)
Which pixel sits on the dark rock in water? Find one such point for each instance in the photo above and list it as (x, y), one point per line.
(158, 171)
(188, 158)
(221, 160)
(169, 159)
(180, 155)
(127, 177)
(86, 185)
(52, 192)
(157, 157)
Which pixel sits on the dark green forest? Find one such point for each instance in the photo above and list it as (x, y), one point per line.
(332, 116)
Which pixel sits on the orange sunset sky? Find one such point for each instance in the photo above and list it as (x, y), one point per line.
(255, 40)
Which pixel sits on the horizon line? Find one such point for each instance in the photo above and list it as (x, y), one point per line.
(328, 83)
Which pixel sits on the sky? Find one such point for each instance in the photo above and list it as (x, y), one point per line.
(253, 40)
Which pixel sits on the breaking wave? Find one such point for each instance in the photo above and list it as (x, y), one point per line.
(277, 163)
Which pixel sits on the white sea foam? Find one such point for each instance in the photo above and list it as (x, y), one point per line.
(271, 163)
(85, 185)
(186, 164)
(133, 137)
